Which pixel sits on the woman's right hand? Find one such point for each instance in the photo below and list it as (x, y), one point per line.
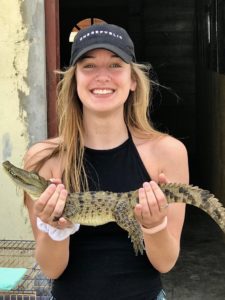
(51, 204)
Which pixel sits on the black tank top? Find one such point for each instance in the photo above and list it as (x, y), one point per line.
(102, 263)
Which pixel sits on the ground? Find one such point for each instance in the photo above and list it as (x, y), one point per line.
(200, 271)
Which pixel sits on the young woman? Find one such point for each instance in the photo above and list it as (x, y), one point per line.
(106, 142)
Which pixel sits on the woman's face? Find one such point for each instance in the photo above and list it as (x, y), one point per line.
(103, 81)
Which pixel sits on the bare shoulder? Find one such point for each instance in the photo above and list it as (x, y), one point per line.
(169, 146)
(161, 145)
(39, 151)
(172, 158)
(164, 154)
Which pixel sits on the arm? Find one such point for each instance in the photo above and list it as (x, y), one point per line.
(52, 256)
(163, 247)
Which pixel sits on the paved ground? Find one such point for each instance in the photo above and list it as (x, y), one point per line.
(200, 271)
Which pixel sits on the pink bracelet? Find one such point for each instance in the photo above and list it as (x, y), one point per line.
(155, 229)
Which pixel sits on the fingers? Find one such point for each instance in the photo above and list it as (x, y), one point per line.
(145, 199)
(159, 196)
(163, 178)
(63, 223)
(44, 198)
(59, 205)
(55, 180)
(51, 204)
(152, 207)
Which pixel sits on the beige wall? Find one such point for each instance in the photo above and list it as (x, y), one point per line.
(15, 99)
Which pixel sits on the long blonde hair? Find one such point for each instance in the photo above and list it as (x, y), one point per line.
(71, 131)
(70, 146)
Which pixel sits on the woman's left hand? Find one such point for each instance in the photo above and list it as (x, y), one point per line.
(152, 207)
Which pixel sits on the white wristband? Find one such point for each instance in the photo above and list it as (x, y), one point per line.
(55, 233)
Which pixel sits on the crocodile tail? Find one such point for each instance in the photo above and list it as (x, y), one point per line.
(198, 197)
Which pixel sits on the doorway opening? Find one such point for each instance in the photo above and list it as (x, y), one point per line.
(169, 38)
(165, 39)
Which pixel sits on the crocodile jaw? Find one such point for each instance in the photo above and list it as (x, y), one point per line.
(30, 182)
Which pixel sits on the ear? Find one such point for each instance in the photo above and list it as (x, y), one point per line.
(133, 85)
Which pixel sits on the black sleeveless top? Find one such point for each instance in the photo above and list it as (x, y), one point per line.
(102, 263)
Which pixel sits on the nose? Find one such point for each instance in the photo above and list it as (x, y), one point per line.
(103, 75)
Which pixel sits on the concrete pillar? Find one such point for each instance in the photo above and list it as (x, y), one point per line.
(22, 101)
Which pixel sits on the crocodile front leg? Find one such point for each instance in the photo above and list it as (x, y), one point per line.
(124, 217)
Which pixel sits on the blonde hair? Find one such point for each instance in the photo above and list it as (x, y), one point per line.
(137, 106)
(70, 146)
(71, 131)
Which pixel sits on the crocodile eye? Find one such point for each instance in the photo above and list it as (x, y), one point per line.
(12, 173)
(35, 176)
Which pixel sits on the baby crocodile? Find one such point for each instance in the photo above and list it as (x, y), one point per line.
(96, 208)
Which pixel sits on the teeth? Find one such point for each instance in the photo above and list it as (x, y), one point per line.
(102, 92)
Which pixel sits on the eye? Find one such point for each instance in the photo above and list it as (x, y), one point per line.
(12, 172)
(89, 66)
(35, 176)
(115, 65)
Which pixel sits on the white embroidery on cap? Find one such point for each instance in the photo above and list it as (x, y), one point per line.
(100, 32)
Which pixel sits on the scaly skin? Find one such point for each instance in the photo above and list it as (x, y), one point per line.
(98, 208)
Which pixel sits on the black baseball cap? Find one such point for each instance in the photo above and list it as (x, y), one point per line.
(105, 36)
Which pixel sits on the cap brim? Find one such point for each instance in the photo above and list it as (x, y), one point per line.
(123, 55)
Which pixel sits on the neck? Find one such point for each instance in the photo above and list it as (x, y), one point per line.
(104, 133)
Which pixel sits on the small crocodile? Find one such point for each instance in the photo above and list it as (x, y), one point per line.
(95, 208)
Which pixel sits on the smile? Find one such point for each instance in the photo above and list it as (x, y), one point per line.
(102, 91)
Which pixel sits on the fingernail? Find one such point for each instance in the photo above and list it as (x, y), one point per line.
(64, 192)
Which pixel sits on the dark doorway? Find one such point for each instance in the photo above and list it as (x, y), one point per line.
(72, 12)
(166, 39)
(167, 34)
